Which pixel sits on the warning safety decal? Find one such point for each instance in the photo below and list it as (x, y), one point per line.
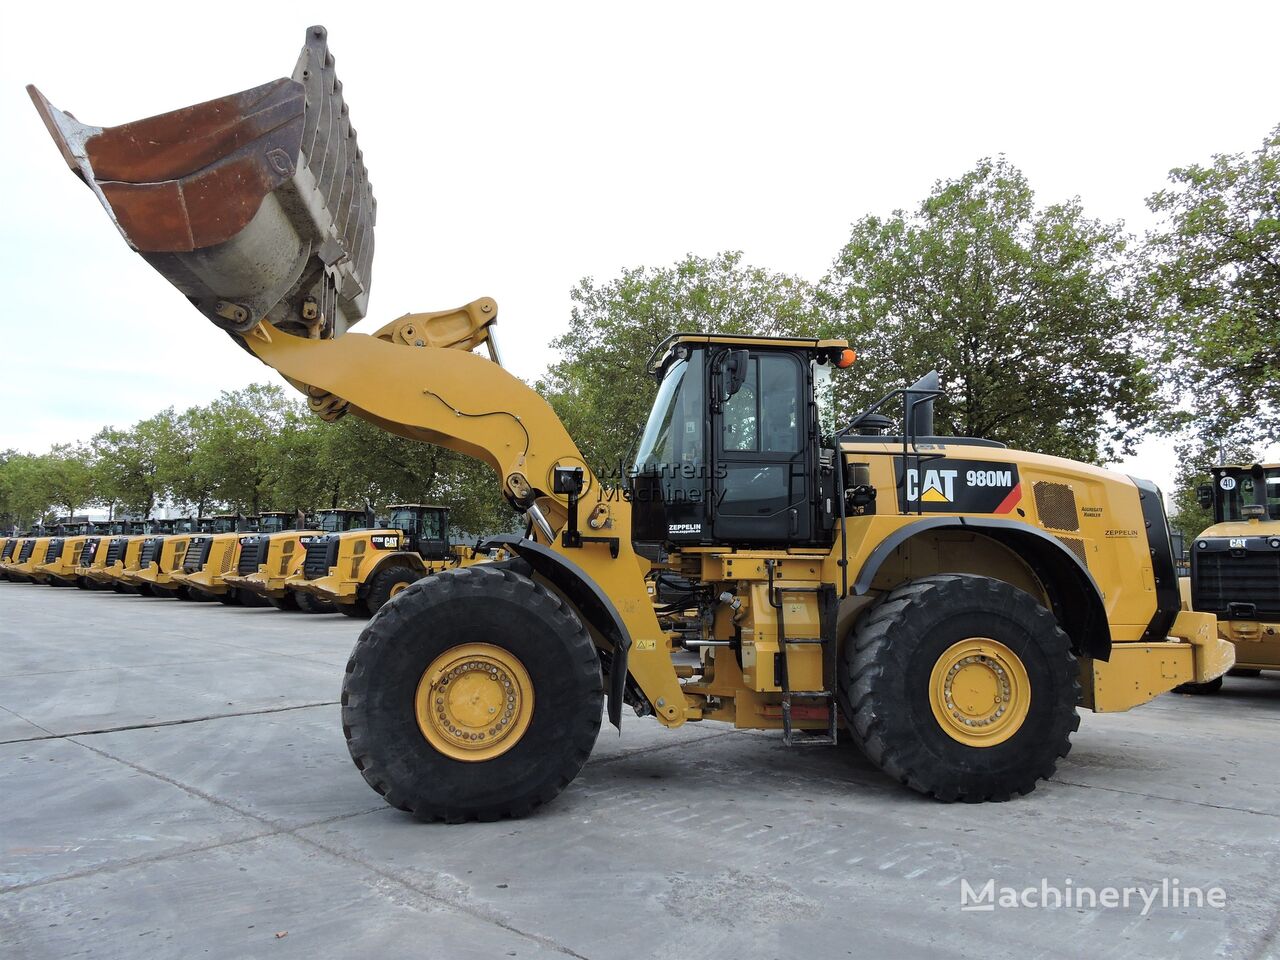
(945, 485)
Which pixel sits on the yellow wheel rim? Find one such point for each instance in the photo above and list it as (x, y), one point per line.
(979, 692)
(397, 588)
(474, 702)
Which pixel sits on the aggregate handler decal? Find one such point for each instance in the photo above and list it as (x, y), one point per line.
(945, 485)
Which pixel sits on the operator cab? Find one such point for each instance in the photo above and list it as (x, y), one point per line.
(733, 452)
(277, 521)
(1242, 492)
(339, 520)
(425, 526)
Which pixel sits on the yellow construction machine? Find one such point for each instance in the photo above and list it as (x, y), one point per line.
(29, 554)
(211, 556)
(93, 557)
(1235, 566)
(160, 559)
(119, 556)
(360, 570)
(10, 547)
(62, 556)
(273, 556)
(943, 602)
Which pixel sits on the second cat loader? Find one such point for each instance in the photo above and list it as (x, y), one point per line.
(359, 571)
(211, 556)
(93, 556)
(9, 552)
(30, 553)
(270, 558)
(119, 556)
(945, 603)
(1235, 566)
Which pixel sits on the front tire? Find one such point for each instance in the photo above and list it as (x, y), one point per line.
(309, 604)
(961, 687)
(391, 580)
(446, 752)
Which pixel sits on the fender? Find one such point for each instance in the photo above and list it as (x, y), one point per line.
(407, 557)
(593, 604)
(1080, 610)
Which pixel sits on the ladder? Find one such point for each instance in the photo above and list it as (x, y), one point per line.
(827, 640)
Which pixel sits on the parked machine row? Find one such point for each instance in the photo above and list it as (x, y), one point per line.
(337, 560)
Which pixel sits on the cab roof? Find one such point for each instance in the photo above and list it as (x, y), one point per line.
(662, 355)
(415, 506)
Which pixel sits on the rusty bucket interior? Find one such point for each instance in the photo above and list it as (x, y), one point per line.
(255, 205)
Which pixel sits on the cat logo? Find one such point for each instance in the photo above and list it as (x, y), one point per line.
(939, 486)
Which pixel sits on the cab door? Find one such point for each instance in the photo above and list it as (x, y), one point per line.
(761, 474)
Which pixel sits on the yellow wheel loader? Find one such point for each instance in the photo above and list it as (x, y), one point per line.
(360, 570)
(62, 557)
(9, 548)
(160, 559)
(93, 556)
(210, 557)
(943, 602)
(270, 558)
(1235, 566)
(30, 556)
(120, 554)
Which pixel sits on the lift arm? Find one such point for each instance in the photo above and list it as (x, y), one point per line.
(257, 207)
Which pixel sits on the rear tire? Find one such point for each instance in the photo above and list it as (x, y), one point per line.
(478, 608)
(248, 598)
(309, 604)
(897, 694)
(229, 598)
(389, 581)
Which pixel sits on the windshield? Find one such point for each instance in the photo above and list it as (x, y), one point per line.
(271, 524)
(424, 523)
(337, 521)
(673, 436)
(1238, 488)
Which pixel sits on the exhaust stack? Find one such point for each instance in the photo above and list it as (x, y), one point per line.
(256, 205)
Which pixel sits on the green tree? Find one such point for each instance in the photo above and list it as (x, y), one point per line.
(599, 386)
(128, 463)
(238, 443)
(1026, 313)
(185, 476)
(1213, 278)
(67, 471)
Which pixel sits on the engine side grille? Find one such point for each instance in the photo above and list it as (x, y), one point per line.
(115, 551)
(150, 551)
(1222, 577)
(25, 553)
(1076, 546)
(321, 555)
(53, 552)
(253, 551)
(89, 552)
(197, 555)
(1056, 505)
(7, 553)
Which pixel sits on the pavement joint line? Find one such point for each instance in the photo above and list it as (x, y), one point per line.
(15, 713)
(163, 723)
(1157, 796)
(178, 852)
(292, 832)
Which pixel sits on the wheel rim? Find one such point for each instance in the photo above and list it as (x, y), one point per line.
(980, 692)
(474, 702)
(398, 588)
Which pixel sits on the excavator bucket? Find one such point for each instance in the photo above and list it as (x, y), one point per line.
(256, 205)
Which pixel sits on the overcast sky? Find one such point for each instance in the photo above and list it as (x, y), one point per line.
(517, 147)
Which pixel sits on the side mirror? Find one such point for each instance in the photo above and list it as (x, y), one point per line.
(733, 371)
(1204, 495)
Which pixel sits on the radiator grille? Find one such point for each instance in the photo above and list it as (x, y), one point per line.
(1219, 579)
(150, 550)
(90, 552)
(116, 550)
(1056, 505)
(54, 551)
(25, 553)
(322, 553)
(252, 553)
(197, 555)
(8, 550)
